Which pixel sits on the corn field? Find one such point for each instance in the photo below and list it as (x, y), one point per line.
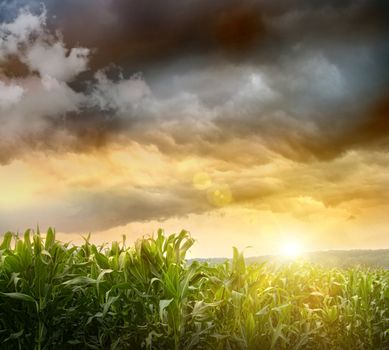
(55, 295)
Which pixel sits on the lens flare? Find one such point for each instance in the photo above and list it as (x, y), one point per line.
(220, 195)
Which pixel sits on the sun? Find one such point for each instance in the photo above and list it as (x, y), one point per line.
(291, 249)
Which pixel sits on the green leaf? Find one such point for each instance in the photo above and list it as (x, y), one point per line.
(163, 304)
(16, 335)
(19, 296)
(7, 238)
(80, 280)
(50, 238)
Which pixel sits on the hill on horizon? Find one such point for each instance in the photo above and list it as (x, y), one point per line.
(328, 258)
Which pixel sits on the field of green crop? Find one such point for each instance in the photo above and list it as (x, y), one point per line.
(58, 296)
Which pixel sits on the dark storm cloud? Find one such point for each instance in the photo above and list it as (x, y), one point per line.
(85, 211)
(302, 78)
(137, 34)
(115, 208)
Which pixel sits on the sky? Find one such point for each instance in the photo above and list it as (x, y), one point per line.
(249, 123)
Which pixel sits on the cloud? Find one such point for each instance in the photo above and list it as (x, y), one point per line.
(132, 184)
(129, 34)
(238, 86)
(15, 34)
(28, 39)
(84, 211)
(54, 60)
(120, 96)
(306, 103)
(41, 108)
(9, 95)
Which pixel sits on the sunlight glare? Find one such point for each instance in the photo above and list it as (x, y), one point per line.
(291, 249)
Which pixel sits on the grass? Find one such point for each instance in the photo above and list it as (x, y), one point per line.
(57, 296)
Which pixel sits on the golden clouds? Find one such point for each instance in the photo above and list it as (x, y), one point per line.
(137, 188)
(202, 180)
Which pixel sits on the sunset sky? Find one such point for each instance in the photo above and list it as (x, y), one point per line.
(248, 123)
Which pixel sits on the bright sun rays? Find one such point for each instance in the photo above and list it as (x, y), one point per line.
(291, 249)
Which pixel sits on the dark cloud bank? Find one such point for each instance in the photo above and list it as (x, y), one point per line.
(307, 78)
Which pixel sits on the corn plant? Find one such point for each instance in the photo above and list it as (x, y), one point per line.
(55, 295)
